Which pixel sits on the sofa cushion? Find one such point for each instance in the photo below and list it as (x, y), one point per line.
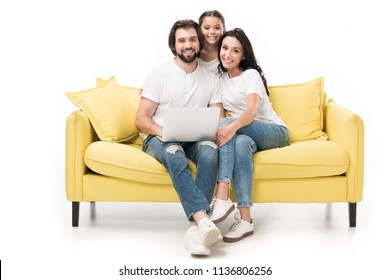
(109, 111)
(126, 161)
(304, 159)
(133, 95)
(301, 106)
(313, 158)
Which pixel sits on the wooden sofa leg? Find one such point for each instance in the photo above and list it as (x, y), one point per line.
(75, 213)
(352, 214)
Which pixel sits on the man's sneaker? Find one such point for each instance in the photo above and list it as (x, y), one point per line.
(221, 210)
(238, 231)
(208, 232)
(193, 244)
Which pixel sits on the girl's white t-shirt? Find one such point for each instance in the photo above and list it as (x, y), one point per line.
(235, 91)
(211, 66)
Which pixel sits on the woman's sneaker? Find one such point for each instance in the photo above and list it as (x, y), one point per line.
(193, 244)
(221, 210)
(239, 230)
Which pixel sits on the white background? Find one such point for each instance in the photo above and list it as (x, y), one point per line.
(50, 47)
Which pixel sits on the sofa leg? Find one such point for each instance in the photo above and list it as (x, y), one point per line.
(352, 214)
(75, 213)
(93, 210)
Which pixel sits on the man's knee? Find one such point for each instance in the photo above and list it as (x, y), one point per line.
(209, 144)
(172, 149)
(208, 152)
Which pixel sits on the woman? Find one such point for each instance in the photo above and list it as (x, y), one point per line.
(253, 126)
(212, 24)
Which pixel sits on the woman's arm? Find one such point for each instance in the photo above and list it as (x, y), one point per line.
(227, 132)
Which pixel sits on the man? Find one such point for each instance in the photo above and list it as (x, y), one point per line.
(181, 82)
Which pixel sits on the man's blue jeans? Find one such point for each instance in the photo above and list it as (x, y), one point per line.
(235, 157)
(195, 194)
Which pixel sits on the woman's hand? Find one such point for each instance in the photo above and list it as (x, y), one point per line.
(226, 133)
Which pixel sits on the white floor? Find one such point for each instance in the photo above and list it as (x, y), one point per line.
(297, 241)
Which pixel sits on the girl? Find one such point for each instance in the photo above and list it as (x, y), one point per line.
(212, 24)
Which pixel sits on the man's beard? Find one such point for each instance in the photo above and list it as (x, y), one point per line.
(188, 59)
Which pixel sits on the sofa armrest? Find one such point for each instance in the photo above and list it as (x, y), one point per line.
(79, 135)
(346, 128)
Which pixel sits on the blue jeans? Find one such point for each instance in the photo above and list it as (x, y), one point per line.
(235, 157)
(195, 194)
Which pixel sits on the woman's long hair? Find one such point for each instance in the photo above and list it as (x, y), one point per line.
(250, 61)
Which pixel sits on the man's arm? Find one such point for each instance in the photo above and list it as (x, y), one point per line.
(143, 118)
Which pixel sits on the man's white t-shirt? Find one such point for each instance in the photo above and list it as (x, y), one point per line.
(169, 86)
(235, 91)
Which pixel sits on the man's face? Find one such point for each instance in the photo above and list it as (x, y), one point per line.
(187, 44)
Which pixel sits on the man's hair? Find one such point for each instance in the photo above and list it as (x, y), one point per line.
(186, 24)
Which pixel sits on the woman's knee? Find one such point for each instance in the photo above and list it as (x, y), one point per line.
(245, 145)
(225, 122)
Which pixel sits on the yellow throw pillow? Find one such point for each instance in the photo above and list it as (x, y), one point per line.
(131, 93)
(301, 106)
(109, 112)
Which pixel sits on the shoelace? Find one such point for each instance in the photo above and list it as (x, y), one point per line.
(237, 215)
(235, 225)
(212, 203)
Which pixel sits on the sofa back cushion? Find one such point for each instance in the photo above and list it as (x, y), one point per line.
(301, 106)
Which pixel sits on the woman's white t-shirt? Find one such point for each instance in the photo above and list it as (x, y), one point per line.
(235, 91)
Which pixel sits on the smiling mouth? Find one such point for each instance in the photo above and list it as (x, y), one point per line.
(227, 61)
(189, 52)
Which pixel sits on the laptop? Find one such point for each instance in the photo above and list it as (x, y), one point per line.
(190, 124)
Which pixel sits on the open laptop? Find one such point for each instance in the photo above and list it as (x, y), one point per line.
(190, 124)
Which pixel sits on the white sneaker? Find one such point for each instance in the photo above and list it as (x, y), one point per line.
(221, 210)
(208, 232)
(193, 244)
(238, 231)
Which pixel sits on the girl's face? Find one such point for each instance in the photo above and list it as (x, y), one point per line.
(212, 30)
(231, 54)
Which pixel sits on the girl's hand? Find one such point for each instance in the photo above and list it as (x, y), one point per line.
(225, 133)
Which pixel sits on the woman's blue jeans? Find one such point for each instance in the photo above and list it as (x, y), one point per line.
(235, 157)
(195, 194)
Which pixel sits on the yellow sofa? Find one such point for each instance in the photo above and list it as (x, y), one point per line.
(323, 164)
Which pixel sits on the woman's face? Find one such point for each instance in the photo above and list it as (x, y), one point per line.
(212, 29)
(231, 54)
